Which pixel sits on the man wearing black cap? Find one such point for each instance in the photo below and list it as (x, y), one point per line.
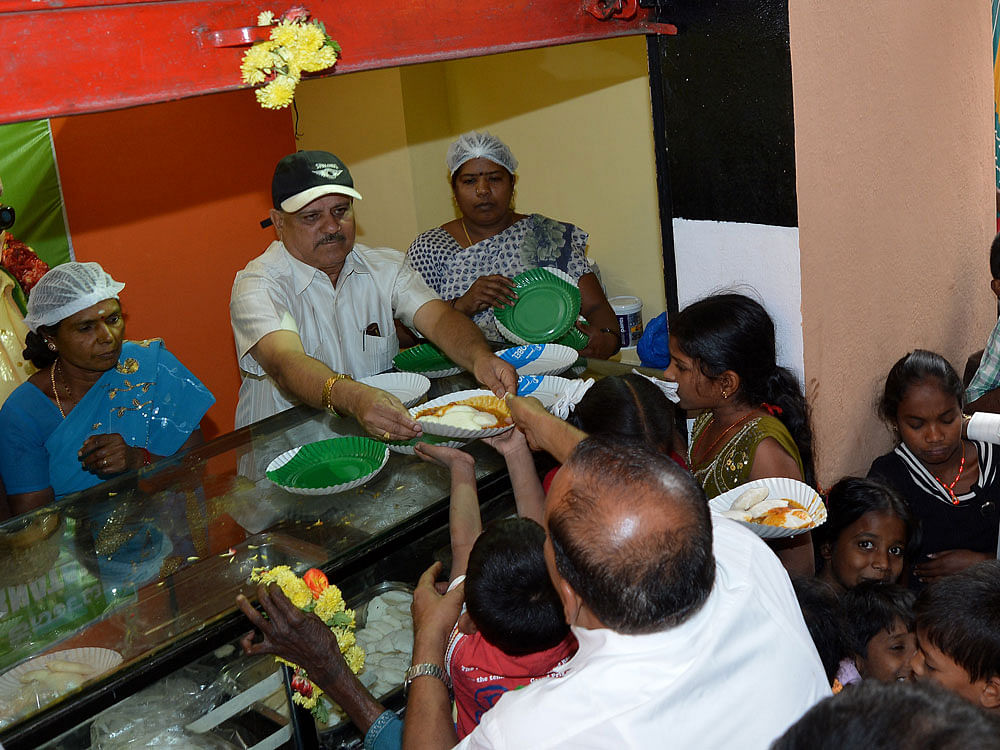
(316, 309)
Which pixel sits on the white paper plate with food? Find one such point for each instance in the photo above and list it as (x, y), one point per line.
(546, 388)
(59, 672)
(772, 508)
(408, 387)
(539, 359)
(464, 414)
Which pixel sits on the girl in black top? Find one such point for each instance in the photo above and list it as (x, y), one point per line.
(951, 484)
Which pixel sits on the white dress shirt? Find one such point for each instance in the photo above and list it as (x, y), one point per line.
(735, 675)
(277, 292)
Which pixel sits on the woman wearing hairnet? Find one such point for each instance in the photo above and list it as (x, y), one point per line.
(98, 405)
(470, 260)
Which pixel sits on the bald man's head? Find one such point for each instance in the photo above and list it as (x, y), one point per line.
(631, 533)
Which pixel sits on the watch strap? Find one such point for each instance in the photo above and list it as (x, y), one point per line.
(425, 670)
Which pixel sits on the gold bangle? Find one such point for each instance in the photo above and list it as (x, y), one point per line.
(328, 390)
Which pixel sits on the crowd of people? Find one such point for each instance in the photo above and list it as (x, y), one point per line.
(615, 610)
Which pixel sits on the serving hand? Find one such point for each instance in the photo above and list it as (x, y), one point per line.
(485, 292)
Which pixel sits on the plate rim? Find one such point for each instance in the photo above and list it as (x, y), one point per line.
(333, 488)
(502, 314)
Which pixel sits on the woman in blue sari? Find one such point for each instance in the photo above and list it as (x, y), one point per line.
(98, 405)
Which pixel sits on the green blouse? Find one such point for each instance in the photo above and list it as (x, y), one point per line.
(730, 466)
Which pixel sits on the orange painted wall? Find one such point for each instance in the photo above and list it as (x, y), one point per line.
(168, 198)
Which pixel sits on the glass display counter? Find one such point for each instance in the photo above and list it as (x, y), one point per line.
(138, 576)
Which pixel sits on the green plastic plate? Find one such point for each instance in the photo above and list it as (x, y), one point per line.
(546, 307)
(422, 358)
(328, 466)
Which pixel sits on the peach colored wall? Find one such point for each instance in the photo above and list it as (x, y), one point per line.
(168, 198)
(894, 161)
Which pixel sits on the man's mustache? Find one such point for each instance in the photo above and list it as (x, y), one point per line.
(330, 239)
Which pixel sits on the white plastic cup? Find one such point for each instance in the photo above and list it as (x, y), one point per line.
(628, 310)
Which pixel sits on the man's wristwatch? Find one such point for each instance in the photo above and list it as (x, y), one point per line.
(425, 670)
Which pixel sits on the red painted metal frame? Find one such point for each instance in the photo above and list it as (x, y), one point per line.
(74, 56)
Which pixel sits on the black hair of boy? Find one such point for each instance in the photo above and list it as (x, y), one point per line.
(822, 612)
(960, 616)
(872, 607)
(892, 716)
(508, 592)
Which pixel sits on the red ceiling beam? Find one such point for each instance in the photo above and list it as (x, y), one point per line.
(73, 56)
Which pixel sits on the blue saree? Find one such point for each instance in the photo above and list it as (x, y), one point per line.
(149, 398)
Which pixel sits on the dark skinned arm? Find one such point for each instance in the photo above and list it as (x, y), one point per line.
(594, 306)
(303, 639)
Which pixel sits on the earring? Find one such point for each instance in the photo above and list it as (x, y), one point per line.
(724, 394)
(52, 347)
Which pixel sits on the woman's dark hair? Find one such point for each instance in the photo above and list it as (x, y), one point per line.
(851, 498)
(733, 332)
(627, 408)
(36, 350)
(915, 367)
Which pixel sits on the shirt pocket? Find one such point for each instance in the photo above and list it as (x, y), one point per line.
(379, 351)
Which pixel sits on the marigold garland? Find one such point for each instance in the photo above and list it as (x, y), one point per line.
(297, 45)
(313, 593)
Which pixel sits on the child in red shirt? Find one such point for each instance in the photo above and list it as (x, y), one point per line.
(513, 630)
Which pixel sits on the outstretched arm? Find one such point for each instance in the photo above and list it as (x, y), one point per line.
(428, 723)
(281, 355)
(465, 523)
(543, 430)
(529, 497)
(463, 342)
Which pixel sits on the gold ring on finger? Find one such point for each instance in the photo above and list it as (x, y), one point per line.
(385, 435)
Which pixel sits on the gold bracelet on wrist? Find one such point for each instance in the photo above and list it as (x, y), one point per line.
(328, 391)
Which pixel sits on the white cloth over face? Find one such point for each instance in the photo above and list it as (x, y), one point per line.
(737, 674)
(277, 292)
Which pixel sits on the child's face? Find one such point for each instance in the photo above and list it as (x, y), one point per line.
(870, 549)
(930, 664)
(889, 654)
(930, 422)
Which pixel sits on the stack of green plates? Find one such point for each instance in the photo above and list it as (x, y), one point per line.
(546, 307)
(574, 338)
(426, 359)
(328, 466)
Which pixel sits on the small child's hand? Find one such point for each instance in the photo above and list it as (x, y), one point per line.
(507, 443)
(442, 455)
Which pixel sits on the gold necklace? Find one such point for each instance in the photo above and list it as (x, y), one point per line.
(55, 391)
(465, 229)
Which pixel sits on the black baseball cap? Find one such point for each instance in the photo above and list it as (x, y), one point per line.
(304, 176)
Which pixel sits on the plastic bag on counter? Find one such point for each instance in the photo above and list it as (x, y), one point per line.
(654, 345)
(156, 717)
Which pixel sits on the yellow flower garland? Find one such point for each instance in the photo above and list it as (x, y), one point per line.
(296, 45)
(330, 607)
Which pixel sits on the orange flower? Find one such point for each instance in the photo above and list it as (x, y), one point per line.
(316, 581)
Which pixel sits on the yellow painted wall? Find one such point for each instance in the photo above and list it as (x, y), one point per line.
(577, 118)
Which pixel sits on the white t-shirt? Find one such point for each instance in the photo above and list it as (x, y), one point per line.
(736, 675)
(277, 292)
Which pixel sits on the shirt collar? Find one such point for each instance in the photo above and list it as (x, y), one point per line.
(303, 274)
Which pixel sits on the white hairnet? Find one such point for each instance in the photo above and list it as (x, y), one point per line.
(68, 289)
(473, 145)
